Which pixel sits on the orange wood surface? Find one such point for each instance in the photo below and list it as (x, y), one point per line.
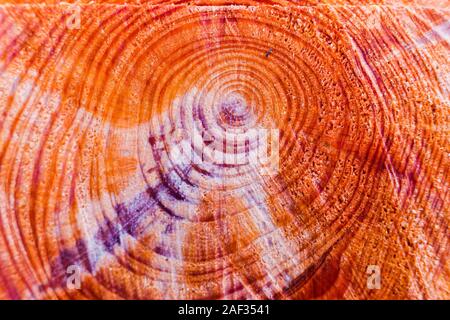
(89, 176)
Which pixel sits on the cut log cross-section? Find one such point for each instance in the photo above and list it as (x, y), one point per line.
(224, 149)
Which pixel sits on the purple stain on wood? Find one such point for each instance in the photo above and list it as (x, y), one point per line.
(109, 235)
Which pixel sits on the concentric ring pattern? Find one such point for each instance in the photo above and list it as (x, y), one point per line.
(130, 151)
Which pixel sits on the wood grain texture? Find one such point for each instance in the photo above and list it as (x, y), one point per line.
(90, 175)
